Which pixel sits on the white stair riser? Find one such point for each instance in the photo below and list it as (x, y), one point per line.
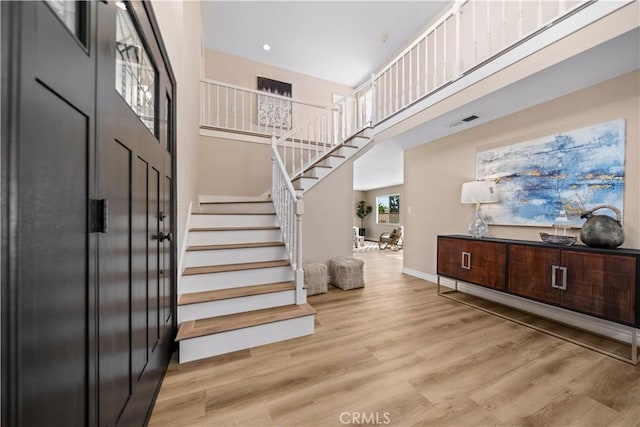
(235, 279)
(197, 238)
(332, 161)
(239, 339)
(347, 151)
(304, 183)
(235, 305)
(234, 256)
(359, 141)
(318, 172)
(199, 221)
(237, 208)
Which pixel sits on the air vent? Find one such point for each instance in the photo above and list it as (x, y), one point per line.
(463, 121)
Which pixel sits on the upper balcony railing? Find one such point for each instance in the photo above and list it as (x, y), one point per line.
(235, 108)
(467, 36)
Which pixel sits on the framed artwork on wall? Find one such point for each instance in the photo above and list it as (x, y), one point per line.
(540, 181)
(274, 111)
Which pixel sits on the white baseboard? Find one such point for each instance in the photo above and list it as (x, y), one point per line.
(185, 244)
(582, 321)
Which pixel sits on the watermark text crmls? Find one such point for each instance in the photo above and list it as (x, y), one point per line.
(369, 418)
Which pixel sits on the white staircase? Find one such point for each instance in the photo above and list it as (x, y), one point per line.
(237, 288)
(325, 164)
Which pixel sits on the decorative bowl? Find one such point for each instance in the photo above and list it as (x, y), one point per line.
(554, 239)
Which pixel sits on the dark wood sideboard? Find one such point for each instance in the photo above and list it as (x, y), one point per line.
(598, 282)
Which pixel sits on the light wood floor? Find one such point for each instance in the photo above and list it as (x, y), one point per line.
(396, 351)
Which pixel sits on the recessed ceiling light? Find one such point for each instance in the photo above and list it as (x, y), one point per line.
(266, 47)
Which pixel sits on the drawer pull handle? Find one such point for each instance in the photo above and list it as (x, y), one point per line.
(554, 275)
(466, 260)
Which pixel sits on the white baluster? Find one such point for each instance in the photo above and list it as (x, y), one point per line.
(426, 64)
(457, 65)
(217, 105)
(444, 51)
(435, 58)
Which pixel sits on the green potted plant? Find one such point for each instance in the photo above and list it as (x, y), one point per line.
(362, 211)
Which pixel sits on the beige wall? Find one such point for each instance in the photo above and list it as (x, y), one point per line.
(233, 168)
(450, 161)
(374, 229)
(328, 216)
(181, 27)
(243, 72)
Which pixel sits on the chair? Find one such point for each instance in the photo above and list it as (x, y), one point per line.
(393, 240)
(357, 239)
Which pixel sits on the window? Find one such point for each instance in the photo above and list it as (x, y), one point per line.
(169, 122)
(388, 211)
(73, 15)
(135, 74)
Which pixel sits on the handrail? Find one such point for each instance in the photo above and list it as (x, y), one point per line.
(260, 92)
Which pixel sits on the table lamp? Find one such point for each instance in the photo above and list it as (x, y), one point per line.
(478, 192)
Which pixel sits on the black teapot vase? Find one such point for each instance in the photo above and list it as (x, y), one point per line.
(602, 231)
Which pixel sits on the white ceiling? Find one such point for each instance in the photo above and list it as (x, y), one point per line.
(339, 41)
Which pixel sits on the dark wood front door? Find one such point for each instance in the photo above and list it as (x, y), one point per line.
(134, 175)
(87, 201)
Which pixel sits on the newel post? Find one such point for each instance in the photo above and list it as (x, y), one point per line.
(301, 293)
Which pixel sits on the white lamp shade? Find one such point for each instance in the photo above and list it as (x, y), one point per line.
(479, 192)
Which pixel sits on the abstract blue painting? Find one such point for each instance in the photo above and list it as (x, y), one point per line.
(535, 178)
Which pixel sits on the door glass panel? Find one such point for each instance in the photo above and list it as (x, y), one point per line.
(69, 13)
(135, 74)
(169, 120)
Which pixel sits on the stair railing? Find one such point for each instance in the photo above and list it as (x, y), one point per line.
(309, 141)
(289, 209)
(235, 108)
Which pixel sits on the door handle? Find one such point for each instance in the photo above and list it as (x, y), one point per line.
(162, 237)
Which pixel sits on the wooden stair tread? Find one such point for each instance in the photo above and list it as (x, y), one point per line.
(239, 201)
(308, 177)
(233, 213)
(243, 291)
(190, 271)
(234, 228)
(214, 325)
(233, 246)
(337, 155)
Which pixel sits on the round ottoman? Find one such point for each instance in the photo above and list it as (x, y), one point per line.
(347, 272)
